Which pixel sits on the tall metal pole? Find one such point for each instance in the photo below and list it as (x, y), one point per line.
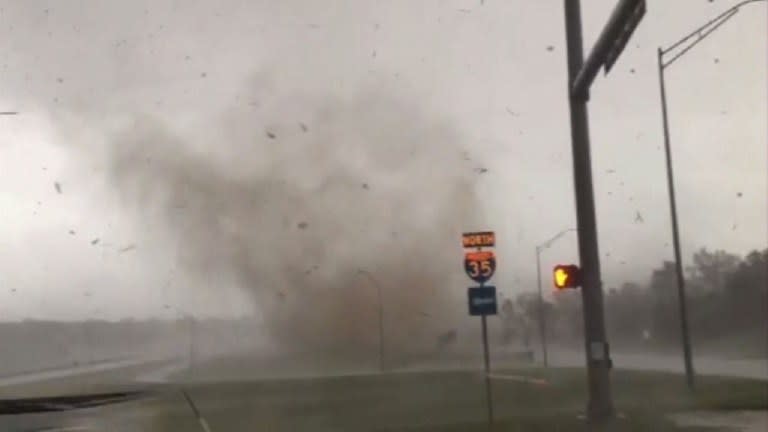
(600, 405)
(689, 373)
(376, 285)
(542, 323)
(487, 364)
(381, 329)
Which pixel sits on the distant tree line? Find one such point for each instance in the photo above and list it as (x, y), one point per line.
(727, 298)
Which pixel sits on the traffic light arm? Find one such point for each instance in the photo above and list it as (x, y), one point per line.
(597, 57)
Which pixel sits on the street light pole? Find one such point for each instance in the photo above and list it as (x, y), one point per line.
(688, 361)
(542, 324)
(699, 34)
(375, 283)
(542, 318)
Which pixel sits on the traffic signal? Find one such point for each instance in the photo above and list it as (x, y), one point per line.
(566, 276)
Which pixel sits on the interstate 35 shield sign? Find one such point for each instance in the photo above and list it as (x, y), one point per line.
(480, 266)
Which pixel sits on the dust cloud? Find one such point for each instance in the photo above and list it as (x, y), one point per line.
(311, 204)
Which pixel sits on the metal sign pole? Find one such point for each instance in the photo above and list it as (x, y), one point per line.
(488, 397)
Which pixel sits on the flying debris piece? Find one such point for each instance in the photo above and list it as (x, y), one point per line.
(739, 194)
(271, 135)
(550, 48)
(94, 241)
(71, 232)
(303, 127)
(365, 186)
(302, 225)
(638, 217)
(481, 170)
(130, 247)
(57, 185)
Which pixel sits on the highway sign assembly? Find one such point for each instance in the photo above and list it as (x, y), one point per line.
(480, 266)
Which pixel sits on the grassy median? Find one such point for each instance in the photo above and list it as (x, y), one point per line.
(455, 401)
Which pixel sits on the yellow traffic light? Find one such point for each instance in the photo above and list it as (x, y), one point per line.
(566, 276)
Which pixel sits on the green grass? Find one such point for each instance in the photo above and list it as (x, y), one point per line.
(455, 401)
(426, 401)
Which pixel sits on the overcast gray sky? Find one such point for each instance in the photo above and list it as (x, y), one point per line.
(77, 71)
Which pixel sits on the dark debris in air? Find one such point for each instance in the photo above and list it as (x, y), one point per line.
(365, 186)
(464, 10)
(271, 135)
(739, 194)
(95, 241)
(203, 75)
(127, 248)
(632, 70)
(717, 60)
(303, 127)
(57, 186)
(512, 113)
(302, 225)
(639, 217)
(71, 232)
(550, 48)
(481, 170)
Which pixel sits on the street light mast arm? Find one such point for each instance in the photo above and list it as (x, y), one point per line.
(549, 242)
(703, 31)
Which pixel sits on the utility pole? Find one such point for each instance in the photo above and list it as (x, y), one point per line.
(600, 405)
